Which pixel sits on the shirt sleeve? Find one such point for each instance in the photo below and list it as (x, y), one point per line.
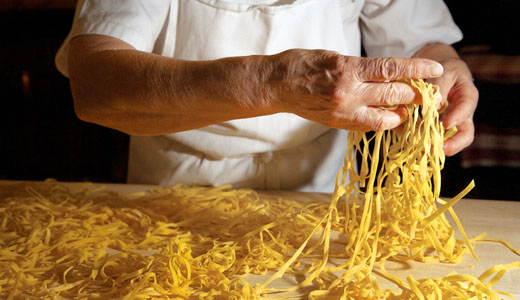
(399, 28)
(136, 22)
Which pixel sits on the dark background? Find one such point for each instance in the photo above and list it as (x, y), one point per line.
(40, 137)
(490, 32)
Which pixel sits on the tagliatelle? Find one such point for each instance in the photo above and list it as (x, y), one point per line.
(203, 243)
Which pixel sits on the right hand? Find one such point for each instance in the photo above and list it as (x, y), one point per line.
(345, 91)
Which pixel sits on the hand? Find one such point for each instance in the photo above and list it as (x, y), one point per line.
(346, 92)
(457, 86)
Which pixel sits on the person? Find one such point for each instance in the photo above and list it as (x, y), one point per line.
(258, 93)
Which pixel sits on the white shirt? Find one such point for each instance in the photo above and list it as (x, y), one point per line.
(281, 151)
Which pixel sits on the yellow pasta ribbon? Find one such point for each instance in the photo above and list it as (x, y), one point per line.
(182, 242)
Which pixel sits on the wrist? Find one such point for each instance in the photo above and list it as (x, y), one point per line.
(244, 82)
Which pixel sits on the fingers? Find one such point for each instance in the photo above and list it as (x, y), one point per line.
(460, 114)
(391, 68)
(377, 119)
(463, 138)
(463, 102)
(390, 94)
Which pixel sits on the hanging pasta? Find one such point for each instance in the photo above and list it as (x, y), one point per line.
(203, 243)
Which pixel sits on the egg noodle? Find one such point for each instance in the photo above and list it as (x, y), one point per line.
(184, 242)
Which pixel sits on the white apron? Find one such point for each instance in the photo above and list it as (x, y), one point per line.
(281, 151)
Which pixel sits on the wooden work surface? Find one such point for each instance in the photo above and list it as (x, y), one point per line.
(499, 219)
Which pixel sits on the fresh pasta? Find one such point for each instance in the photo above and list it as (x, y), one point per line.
(185, 242)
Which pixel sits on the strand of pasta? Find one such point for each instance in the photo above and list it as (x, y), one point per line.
(203, 243)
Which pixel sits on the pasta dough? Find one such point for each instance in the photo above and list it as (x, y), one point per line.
(201, 243)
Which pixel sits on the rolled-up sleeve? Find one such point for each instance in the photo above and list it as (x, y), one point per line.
(399, 28)
(137, 22)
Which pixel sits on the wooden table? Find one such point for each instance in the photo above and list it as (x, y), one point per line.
(499, 219)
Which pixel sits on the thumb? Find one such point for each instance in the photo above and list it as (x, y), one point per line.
(394, 68)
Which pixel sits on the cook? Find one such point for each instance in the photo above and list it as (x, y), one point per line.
(258, 93)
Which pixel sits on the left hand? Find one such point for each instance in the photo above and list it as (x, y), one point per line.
(457, 86)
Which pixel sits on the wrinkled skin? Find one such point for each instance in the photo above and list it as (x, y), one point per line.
(347, 92)
(141, 93)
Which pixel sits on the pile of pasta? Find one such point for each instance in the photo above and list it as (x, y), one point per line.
(185, 242)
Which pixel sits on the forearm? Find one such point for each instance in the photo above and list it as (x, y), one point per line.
(144, 94)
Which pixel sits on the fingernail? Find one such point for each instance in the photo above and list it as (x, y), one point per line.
(435, 70)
